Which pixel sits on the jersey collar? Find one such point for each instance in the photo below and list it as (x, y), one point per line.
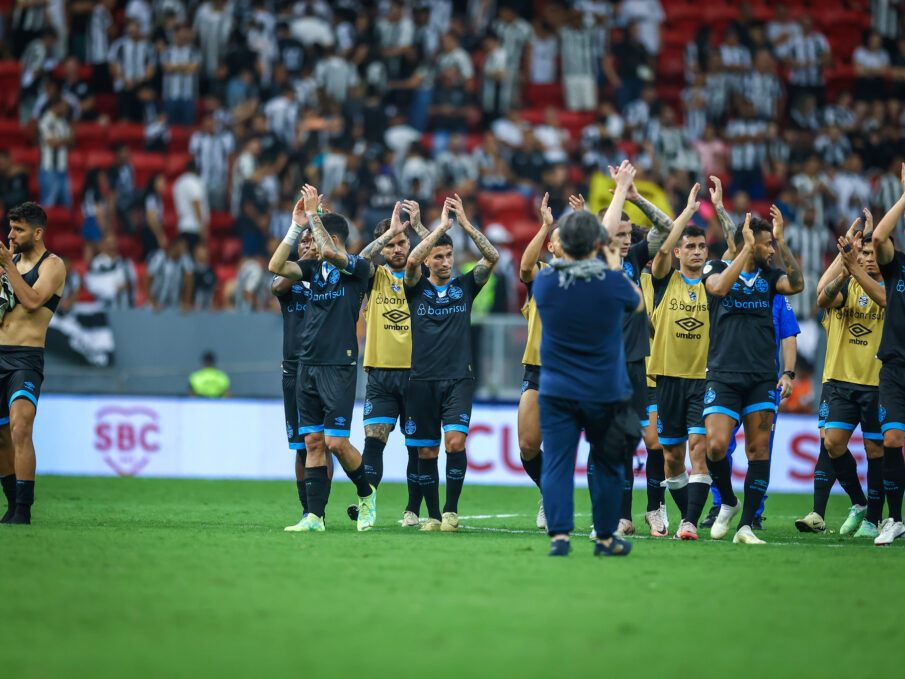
(689, 281)
(396, 274)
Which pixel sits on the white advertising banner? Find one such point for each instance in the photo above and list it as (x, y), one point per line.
(246, 439)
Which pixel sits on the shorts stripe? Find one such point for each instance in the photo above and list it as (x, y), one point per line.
(313, 429)
(672, 441)
(821, 424)
(892, 425)
(298, 445)
(422, 443)
(652, 408)
(697, 430)
(870, 436)
(766, 405)
(26, 394)
(456, 427)
(645, 423)
(840, 425)
(380, 420)
(4, 421)
(340, 433)
(724, 411)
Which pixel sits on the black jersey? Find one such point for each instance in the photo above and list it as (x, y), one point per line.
(742, 336)
(892, 344)
(441, 327)
(635, 327)
(292, 306)
(329, 334)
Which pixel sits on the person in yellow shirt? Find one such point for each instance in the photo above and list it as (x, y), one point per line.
(208, 381)
(529, 436)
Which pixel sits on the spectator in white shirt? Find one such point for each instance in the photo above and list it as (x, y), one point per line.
(553, 138)
(111, 279)
(395, 35)
(213, 24)
(871, 67)
(782, 28)
(55, 138)
(649, 15)
(852, 190)
(579, 64)
(212, 150)
(335, 76)
(140, 11)
(806, 55)
(736, 59)
(180, 63)
(543, 50)
(192, 209)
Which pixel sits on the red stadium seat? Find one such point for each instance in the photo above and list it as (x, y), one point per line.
(222, 222)
(543, 95)
(230, 249)
(59, 218)
(179, 138)
(99, 158)
(498, 206)
(129, 247)
(147, 164)
(25, 156)
(107, 105)
(90, 135)
(11, 134)
(174, 164)
(130, 134)
(65, 243)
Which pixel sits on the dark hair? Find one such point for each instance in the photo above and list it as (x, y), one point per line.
(382, 228)
(443, 240)
(30, 213)
(692, 231)
(757, 225)
(149, 187)
(336, 225)
(92, 182)
(579, 234)
(639, 233)
(867, 238)
(209, 358)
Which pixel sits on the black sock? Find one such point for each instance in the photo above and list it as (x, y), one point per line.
(656, 475)
(721, 473)
(824, 478)
(697, 498)
(626, 510)
(874, 490)
(430, 485)
(303, 495)
(317, 490)
(456, 464)
(893, 480)
(357, 476)
(680, 496)
(756, 481)
(25, 498)
(414, 483)
(847, 474)
(533, 467)
(372, 460)
(9, 490)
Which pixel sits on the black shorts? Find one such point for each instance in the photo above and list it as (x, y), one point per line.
(892, 397)
(21, 376)
(738, 394)
(651, 404)
(531, 380)
(325, 396)
(849, 405)
(681, 409)
(637, 375)
(824, 407)
(385, 396)
(290, 407)
(432, 405)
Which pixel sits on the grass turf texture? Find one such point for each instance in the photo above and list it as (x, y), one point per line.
(152, 578)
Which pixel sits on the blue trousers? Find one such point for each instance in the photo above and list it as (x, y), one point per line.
(608, 427)
(54, 188)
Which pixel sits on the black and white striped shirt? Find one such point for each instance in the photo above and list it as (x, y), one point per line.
(833, 152)
(764, 91)
(282, 117)
(212, 28)
(837, 115)
(886, 195)
(212, 153)
(735, 55)
(457, 59)
(52, 127)
(806, 49)
(132, 57)
(577, 50)
(695, 113)
(746, 155)
(336, 77)
(811, 244)
(180, 86)
(513, 37)
(884, 17)
(31, 19)
(97, 50)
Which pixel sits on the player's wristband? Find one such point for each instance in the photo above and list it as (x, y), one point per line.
(292, 236)
(790, 373)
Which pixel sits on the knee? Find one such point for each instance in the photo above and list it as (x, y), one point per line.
(529, 446)
(758, 452)
(454, 440)
(835, 444)
(20, 431)
(428, 453)
(314, 442)
(336, 445)
(717, 445)
(893, 438)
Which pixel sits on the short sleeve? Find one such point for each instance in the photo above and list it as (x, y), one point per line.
(359, 268)
(471, 285)
(308, 267)
(892, 270)
(713, 267)
(773, 276)
(788, 323)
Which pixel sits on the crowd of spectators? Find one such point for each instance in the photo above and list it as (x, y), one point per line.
(378, 101)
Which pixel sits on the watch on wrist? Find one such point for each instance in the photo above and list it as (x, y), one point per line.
(790, 373)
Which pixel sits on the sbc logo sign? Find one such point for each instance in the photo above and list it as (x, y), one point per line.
(126, 437)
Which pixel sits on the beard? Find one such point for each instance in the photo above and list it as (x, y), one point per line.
(22, 248)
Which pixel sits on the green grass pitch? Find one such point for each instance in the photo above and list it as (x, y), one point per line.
(161, 578)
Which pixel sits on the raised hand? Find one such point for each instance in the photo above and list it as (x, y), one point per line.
(546, 213)
(716, 193)
(613, 255)
(413, 210)
(311, 198)
(778, 226)
(848, 252)
(298, 212)
(631, 193)
(868, 221)
(396, 225)
(575, 202)
(747, 233)
(693, 204)
(458, 208)
(852, 230)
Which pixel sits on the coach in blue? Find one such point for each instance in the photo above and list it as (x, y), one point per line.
(584, 385)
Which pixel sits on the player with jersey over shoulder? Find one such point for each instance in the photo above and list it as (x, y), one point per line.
(741, 364)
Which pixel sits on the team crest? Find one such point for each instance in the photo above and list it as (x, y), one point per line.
(710, 396)
(368, 407)
(882, 414)
(297, 289)
(761, 285)
(455, 292)
(410, 427)
(692, 295)
(708, 268)
(771, 394)
(334, 277)
(288, 430)
(629, 269)
(825, 410)
(395, 287)
(863, 300)
(659, 426)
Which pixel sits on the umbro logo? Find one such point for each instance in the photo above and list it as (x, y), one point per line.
(858, 330)
(395, 316)
(689, 324)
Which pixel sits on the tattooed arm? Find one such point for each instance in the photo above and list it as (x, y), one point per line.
(323, 240)
(414, 211)
(420, 253)
(489, 254)
(660, 221)
(373, 249)
(793, 282)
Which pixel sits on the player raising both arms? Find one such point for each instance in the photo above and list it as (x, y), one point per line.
(441, 382)
(892, 375)
(32, 284)
(854, 298)
(741, 363)
(328, 356)
(293, 298)
(388, 349)
(529, 435)
(679, 362)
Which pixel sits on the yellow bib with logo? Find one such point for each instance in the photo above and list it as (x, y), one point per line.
(681, 330)
(529, 311)
(388, 342)
(853, 337)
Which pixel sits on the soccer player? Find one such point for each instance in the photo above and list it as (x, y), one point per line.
(31, 288)
(293, 298)
(328, 356)
(584, 383)
(681, 318)
(855, 300)
(741, 364)
(892, 375)
(388, 349)
(529, 433)
(441, 381)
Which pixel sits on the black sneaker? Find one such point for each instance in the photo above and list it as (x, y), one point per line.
(758, 523)
(618, 547)
(711, 517)
(559, 548)
(352, 511)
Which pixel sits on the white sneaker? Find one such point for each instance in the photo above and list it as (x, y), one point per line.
(626, 527)
(593, 534)
(410, 519)
(665, 516)
(746, 536)
(296, 528)
(812, 523)
(891, 530)
(721, 525)
(541, 516)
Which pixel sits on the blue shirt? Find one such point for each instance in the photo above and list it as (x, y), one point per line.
(581, 349)
(784, 325)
